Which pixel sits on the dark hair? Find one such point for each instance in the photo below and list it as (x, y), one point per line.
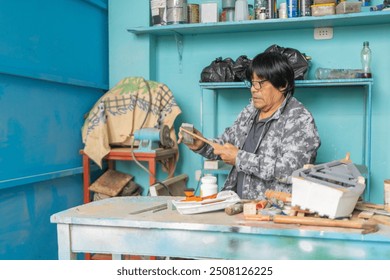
(275, 68)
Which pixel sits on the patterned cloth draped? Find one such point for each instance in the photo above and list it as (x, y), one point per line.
(131, 104)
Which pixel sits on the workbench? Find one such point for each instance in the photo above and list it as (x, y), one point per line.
(108, 227)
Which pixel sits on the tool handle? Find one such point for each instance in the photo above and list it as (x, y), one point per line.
(234, 209)
(198, 137)
(324, 222)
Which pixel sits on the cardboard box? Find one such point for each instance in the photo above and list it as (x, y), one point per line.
(209, 12)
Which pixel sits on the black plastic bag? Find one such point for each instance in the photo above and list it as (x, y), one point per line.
(239, 68)
(297, 60)
(220, 70)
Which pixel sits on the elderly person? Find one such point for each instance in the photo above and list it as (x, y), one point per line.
(272, 136)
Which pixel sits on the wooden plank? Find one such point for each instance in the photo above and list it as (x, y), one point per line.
(365, 215)
(110, 183)
(382, 219)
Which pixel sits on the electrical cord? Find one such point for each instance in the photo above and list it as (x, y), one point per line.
(132, 145)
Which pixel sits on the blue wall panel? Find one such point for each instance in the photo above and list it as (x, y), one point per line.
(25, 231)
(53, 68)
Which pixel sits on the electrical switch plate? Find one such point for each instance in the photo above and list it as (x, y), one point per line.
(323, 33)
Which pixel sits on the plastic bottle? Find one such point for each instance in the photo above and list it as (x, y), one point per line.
(283, 10)
(209, 186)
(241, 11)
(365, 56)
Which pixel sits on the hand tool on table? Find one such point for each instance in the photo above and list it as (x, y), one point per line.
(234, 209)
(153, 209)
(367, 226)
(379, 211)
(237, 208)
(212, 144)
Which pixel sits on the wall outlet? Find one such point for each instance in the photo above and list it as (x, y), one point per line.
(198, 174)
(323, 33)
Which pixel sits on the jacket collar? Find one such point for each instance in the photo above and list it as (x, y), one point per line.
(278, 112)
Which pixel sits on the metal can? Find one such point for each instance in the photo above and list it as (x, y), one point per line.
(292, 8)
(176, 11)
(193, 13)
(304, 8)
(157, 9)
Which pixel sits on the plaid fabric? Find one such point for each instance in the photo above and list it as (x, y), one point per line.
(131, 104)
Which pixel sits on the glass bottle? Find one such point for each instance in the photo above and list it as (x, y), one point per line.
(365, 56)
(260, 7)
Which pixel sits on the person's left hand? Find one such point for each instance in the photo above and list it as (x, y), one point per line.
(227, 152)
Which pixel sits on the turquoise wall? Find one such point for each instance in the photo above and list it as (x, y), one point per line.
(339, 112)
(53, 68)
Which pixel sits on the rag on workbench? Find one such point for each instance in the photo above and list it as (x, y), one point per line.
(131, 104)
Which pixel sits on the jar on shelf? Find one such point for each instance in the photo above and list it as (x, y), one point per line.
(228, 10)
(260, 7)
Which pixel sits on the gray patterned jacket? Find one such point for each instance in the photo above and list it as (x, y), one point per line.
(289, 140)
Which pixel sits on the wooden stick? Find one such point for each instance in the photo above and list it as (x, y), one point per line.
(366, 225)
(198, 137)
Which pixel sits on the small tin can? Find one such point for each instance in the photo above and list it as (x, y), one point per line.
(304, 8)
(193, 13)
(176, 11)
(292, 8)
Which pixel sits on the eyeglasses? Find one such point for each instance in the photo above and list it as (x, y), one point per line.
(256, 84)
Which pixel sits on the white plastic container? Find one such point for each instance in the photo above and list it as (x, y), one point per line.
(329, 189)
(241, 11)
(209, 186)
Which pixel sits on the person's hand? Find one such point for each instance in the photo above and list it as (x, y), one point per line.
(227, 152)
(198, 144)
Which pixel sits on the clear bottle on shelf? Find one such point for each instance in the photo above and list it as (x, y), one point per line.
(332, 74)
(365, 56)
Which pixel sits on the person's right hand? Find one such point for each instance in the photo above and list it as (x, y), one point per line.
(198, 144)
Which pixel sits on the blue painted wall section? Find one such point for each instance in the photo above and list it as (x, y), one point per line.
(339, 112)
(53, 68)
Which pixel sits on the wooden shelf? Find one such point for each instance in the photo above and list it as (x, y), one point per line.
(298, 84)
(354, 19)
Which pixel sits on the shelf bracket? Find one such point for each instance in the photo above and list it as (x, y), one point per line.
(180, 45)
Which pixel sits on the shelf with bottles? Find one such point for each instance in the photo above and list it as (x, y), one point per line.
(353, 19)
(298, 83)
